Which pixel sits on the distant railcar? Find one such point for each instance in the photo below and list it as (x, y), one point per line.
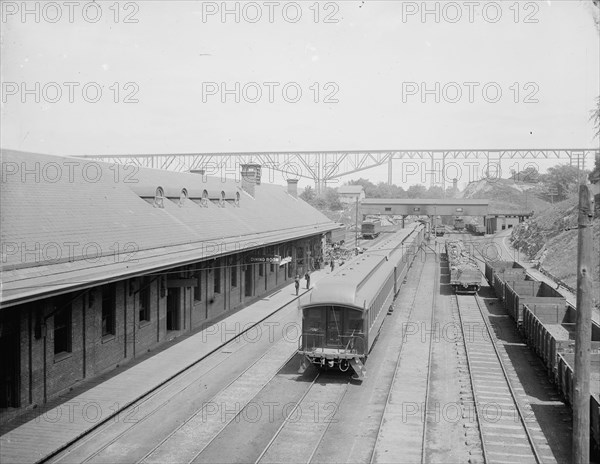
(370, 229)
(459, 223)
(476, 229)
(439, 230)
(465, 276)
(343, 314)
(338, 236)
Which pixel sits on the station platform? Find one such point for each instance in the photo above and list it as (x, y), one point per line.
(47, 430)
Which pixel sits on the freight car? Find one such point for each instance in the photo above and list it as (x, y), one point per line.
(337, 236)
(548, 324)
(564, 382)
(465, 276)
(343, 314)
(370, 229)
(475, 229)
(518, 293)
(499, 272)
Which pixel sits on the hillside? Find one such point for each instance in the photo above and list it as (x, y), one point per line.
(506, 195)
(550, 237)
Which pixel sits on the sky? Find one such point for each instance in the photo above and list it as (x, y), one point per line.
(183, 77)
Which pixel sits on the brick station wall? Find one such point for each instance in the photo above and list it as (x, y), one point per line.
(44, 375)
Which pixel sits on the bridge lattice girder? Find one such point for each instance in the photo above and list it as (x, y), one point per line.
(325, 166)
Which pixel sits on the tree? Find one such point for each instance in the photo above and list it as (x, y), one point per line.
(308, 195)
(435, 192)
(332, 199)
(368, 186)
(560, 180)
(416, 191)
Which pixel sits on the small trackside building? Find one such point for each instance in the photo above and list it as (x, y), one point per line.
(102, 263)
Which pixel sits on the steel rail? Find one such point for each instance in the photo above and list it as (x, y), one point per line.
(164, 440)
(506, 378)
(396, 365)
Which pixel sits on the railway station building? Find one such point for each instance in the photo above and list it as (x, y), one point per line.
(102, 263)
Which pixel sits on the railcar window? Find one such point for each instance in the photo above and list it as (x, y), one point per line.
(354, 322)
(334, 325)
(313, 320)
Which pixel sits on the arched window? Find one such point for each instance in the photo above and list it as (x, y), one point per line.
(222, 200)
(205, 198)
(237, 199)
(159, 198)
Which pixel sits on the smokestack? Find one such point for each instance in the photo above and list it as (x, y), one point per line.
(250, 177)
(292, 189)
(455, 183)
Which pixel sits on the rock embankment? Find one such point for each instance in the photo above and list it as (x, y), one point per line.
(550, 238)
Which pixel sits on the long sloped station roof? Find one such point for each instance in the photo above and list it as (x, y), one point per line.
(70, 223)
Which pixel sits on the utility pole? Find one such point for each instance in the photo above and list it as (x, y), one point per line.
(356, 226)
(585, 288)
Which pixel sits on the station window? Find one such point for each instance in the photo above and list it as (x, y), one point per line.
(261, 269)
(62, 328)
(198, 287)
(217, 279)
(234, 275)
(109, 303)
(145, 292)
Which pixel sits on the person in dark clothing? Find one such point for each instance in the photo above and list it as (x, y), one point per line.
(332, 265)
(307, 277)
(297, 283)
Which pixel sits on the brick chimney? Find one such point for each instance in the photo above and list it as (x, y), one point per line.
(292, 189)
(455, 183)
(250, 177)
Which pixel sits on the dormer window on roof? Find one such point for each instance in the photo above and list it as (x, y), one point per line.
(205, 199)
(159, 197)
(183, 196)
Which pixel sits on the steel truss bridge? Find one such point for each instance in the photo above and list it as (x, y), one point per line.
(327, 166)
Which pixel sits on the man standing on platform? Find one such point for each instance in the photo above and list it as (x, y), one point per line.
(307, 277)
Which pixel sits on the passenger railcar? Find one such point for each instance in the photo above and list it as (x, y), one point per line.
(343, 314)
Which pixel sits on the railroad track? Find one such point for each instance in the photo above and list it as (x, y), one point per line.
(504, 427)
(406, 439)
(156, 400)
(299, 436)
(190, 439)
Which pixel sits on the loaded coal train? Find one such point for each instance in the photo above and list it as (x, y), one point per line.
(465, 276)
(547, 322)
(343, 314)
